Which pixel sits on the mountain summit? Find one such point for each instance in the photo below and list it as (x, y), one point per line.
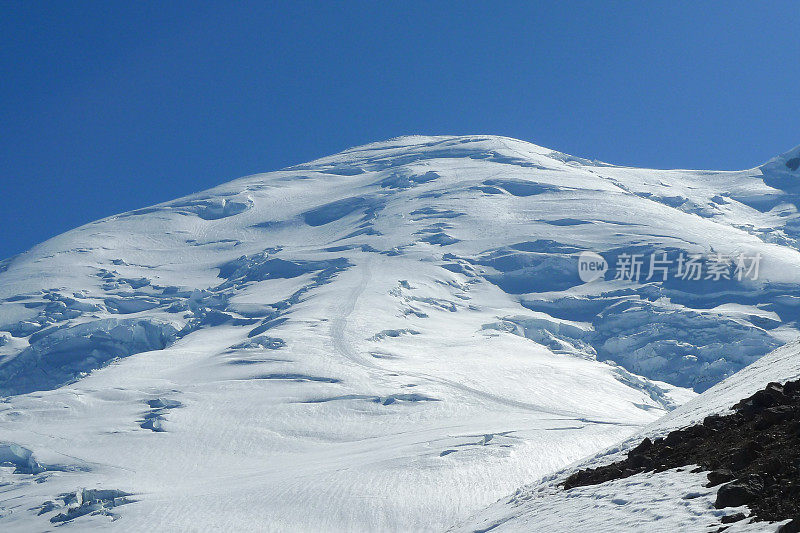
(389, 338)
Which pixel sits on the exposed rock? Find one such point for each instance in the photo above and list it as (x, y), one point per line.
(740, 492)
(731, 518)
(717, 477)
(753, 454)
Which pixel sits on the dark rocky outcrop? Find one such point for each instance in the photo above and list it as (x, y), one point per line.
(752, 454)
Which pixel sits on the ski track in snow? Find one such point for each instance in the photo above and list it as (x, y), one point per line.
(339, 326)
(339, 322)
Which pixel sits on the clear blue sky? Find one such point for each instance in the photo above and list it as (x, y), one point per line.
(110, 106)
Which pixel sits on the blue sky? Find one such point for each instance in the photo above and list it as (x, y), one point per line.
(106, 107)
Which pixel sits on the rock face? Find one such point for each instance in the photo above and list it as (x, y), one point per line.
(753, 454)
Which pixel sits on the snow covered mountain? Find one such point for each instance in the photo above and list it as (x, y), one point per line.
(390, 338)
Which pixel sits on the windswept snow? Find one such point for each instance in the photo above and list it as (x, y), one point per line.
(389, 338)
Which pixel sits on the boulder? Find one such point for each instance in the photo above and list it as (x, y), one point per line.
(739, 492)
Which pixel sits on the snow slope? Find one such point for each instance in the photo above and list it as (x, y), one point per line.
(674, 500)
(390, 338)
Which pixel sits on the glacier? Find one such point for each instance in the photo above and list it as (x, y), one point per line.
(390, 338)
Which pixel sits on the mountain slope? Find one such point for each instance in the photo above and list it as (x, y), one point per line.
(388, 338)
(672, 500)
